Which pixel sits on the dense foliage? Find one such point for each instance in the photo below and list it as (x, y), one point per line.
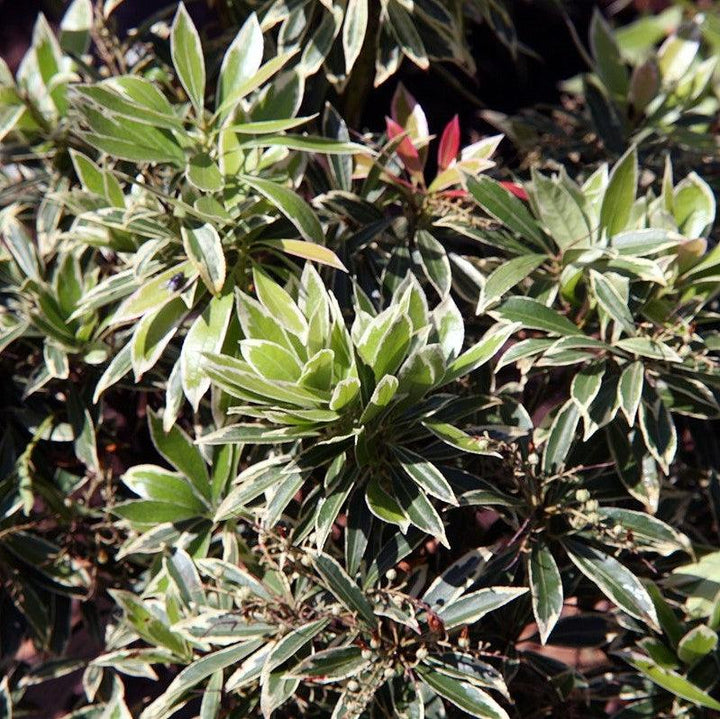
(301, 420)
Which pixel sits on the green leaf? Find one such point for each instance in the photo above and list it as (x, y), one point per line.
(205, 336)
(482, 352)
(151, 295)
(270, 360)
(611, 301)
(614, 580)
(279, 304)
(647, 347)
(697, 643)
(467, 697)
(534, 315)
(406, 34)
(672, 681)
(546, 588)
(204, 250)
(153, 334)
(435, 262)
(161, 485)
(419, 509)
(648, 531)
(308, 143)
(331, 665)
(180, 451)
(561, 213)
(472, 607)
(187, 57)
(630, 388)
(241, 61)
(693, 206)
(291, 205)
(384, 506)
(343, 588)
(467, 668)
(505, 207)
(505, 277)
(460, 440)
(76, 26)
(586, 385)
(425, 474)
(658, 430)
(561, 437)
(199, 670)
(120, 365)
(620, 194)
(353, 32)
(608, 63)
(146, 624)
(203, 173)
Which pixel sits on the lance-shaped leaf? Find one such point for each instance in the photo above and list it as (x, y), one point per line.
(343, 588)
(534, 315)
(425, 474)
(671, 681)
(449, 143)
(561, 437)
(467, 697)
(205, 336)
(474, 606)
(331, 665)
(204, 250)
(615, 581)
(290, 204)
(505, 207)
(630, 388)
(546, 588)
(620, 194)
(460, 440)
(187, 57)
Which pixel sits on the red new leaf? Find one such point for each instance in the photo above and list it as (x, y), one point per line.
(449, 143)
(516, 190)
(406, 151)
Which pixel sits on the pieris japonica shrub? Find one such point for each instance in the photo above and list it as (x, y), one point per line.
(306, 420)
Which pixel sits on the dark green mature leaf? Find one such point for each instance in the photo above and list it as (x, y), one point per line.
(505, 207)
(341, 586)
(615, 581)
(330, 665)
(419, 509)
(546, 588)
(532, 314)
(467, 697)
(561, 437)
(469, 608)
(427, 476)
